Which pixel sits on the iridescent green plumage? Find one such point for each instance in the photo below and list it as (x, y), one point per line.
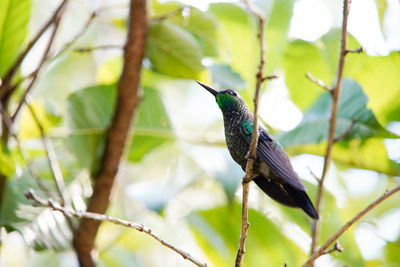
(274, 173)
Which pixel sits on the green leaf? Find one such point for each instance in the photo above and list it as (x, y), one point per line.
(367, 154)
(277, 29)
(14, 18)
(203, 26)
(89, 113)
(224, 77)
(314, 126)
(381, 5)
(378, 76)
(217, 232)
(174, 51)
(302, 57)
(152, 128)
(238, 34)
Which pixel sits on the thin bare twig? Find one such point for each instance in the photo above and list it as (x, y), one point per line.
(254, 138)
(101, 217)
(318, 82)
(77, 36)
(42, 61)
(356, 51)
(5, 87)
(31, 168)
(336, 247)
(52, 159)
(335, 100)
(339, 232)
(345, 133)
(98, 47)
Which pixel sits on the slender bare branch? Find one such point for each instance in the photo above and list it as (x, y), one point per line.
(336, 247)
(52, 159)
(345, 133)
(42, 61)
(357, 51)
(4, 89)
(98, 47)
(335, 100)
(31, 168)
(318, 82)
(254, 139)
(117, 134)
(101, 218)
(356, 218)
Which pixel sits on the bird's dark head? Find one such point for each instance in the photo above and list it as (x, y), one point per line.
(227, 100)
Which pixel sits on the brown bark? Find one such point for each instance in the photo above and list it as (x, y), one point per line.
(118, 132)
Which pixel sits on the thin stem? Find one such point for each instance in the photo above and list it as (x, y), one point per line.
(335, 99)
(11, 72)
(254, 140)
(101, 217)
(356, 218)
(31, 168)
(42, 61)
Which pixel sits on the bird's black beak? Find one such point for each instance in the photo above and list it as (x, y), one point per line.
(208, 88)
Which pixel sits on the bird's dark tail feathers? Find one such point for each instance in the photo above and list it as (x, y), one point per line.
(302, 199)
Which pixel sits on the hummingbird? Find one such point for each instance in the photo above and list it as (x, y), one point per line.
(273, 171)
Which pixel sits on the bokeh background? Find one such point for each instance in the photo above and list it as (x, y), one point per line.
(177, 176)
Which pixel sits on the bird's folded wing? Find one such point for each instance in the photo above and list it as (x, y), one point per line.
(271, 152)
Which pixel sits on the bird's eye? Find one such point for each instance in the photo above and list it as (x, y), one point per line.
(233, 93)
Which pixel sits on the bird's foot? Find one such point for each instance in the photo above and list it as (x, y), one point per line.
(247, 180)
(248, 156)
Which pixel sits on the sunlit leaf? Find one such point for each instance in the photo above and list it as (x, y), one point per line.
(369, 154)
(224, 77)
(314, 126)
(173, 51)
(152, 128)
(239, 40)
(377, 75)
(217, 233)
(300, 58)
(277, 28)
(14, 18)
(89, 113)
(203, 26)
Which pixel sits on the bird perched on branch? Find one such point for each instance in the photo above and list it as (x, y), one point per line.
(273, 171)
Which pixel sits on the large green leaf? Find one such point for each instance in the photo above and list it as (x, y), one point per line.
(152, 128)
(378, 75)
(201, 25)
(302, 57)
(174, 51)
(313, 128)
(276, 32)
(89, 113)
(238, 41)
(14, 18)
(217, 232)
(224, 77)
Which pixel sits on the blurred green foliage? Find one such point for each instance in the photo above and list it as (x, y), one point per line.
(176, 176)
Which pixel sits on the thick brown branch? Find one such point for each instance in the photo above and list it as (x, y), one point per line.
(11, 72)
(101, 217)
(117, 134)
(339, 232)
(335, 99)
